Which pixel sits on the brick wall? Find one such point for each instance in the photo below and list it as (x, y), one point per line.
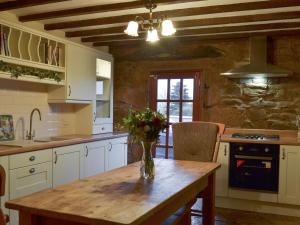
(19, 98)
(237, 103)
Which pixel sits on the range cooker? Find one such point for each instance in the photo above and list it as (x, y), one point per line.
(254, 166)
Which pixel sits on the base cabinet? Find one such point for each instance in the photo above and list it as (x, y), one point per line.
(289, 175)
(27, 180)
(94, 162)
(116, 154)
(222, 173)
(67, 164)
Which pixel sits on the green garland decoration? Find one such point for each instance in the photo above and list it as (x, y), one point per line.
(18, 71)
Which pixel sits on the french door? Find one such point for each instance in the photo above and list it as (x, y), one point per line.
(175, 94)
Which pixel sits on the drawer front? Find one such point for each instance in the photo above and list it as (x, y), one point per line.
(30, 179)
(103, 128)
(30, 158)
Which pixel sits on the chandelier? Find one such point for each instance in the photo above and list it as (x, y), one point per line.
(152, 26)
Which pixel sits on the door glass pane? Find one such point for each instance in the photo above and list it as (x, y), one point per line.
(175, 89)
(187, 112)
(188, 89)
(174, 112)
(162, 89)
(162, 108)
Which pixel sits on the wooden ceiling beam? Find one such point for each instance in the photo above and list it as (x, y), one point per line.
(196, 22)
(198, 31)
(201, 38)
(95, 9)
(9, 5)
(176, 13)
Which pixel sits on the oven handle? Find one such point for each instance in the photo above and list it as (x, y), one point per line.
(252, 157)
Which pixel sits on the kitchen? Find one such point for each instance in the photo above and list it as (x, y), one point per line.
(222, 39)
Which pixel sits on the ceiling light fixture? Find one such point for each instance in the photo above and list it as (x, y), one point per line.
(152, 25)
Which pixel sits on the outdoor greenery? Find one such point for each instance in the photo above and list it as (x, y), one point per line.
(17, 71)
(187, 110)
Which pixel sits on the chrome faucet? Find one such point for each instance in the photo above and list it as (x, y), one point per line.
(30, 135)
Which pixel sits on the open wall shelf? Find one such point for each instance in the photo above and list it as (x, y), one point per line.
(24, 48)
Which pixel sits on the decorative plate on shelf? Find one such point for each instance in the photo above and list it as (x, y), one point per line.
(6, 128)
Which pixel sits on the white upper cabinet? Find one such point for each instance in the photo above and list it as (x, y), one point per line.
(80, 77)
(289, 175)
(222, 173)
(103, 101)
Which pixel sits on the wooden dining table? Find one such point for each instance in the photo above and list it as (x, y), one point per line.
(121, 197)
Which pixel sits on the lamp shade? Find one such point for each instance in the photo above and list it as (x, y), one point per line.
(167, 28)
(132, 29)
(152, 35)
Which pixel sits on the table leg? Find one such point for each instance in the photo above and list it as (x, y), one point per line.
(27, 219)
(209, 202)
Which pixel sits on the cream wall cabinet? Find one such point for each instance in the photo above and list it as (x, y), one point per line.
(67, 164)
(289, 175)
(103, 96)
(26, 47)
(222, 174)
(81, 77)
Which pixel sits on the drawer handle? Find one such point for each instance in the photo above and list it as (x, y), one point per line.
(225, 151)
(102, 128)
(32, 170)
(32, 158)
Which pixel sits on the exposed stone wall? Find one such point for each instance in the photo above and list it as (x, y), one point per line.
(237, 103)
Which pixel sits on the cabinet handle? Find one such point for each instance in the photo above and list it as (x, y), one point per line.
(110, 146)
(55, 157)
(32, 170)
(87, 151)
(70, 90)
(94, 117)
(225, 151)
(283, 154)
(32, 158)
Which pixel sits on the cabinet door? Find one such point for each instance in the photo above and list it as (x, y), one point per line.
(67, 164)
(222, 173)
(116, 153)
(81, 73)
(94, 162)
(289, 175)
(27, 180)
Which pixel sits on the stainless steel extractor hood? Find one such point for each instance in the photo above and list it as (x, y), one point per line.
(258, 66)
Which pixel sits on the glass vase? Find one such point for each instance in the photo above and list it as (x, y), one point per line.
(147, 168)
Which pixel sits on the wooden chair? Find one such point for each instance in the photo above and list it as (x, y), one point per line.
(197, 141)
(4, 219)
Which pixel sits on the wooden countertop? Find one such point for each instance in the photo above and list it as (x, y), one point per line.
(71, 140)
(120, 196)
(287, 137)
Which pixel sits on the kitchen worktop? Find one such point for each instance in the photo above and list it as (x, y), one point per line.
(287, 137)
(61, 141)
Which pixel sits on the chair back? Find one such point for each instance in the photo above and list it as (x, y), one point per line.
(197, 141)
(3, 218)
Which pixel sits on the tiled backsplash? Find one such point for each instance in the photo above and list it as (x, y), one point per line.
(19, 98)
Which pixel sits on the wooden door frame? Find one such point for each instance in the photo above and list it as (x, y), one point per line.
(170, 74)
(180, 74)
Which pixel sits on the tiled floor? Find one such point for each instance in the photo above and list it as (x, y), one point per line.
(236, 217)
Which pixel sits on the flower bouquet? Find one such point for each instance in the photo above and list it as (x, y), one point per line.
(145, 127)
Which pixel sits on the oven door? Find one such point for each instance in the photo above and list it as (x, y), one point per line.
(253, 171)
